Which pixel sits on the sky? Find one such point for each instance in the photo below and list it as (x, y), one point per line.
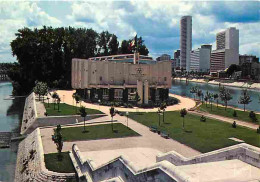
(158, 22)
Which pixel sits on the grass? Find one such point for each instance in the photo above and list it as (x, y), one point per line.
(53, 164)
(66, 109)
(103, 131)
(241, 115)
(204, 136)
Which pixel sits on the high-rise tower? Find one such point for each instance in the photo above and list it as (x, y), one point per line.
(186, 41)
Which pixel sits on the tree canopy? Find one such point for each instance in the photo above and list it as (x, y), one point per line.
(45, 54)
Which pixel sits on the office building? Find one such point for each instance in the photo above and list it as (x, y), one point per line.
(164, 57)
(185, 41)
(200, 59)
(227, 52)
(119, 77)
(250, 66)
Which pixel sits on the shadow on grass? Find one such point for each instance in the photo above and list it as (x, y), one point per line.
(187, 131)
(86, 131)
(115, 131)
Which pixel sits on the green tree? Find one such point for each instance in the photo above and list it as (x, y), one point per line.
(77, 99)
(83, 114)
(54, 96)
(57, 139)
(199, 94)
(193, 91)
(163, 106)
(112, 112)
(215, 96)
(183, 113)
(244, 98)
(113, 45)
(225, 96)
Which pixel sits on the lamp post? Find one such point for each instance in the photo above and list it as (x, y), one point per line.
(99, 103)
(127, 114)
(159, 113)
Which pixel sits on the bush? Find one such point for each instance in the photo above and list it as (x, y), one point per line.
(258, 130)
(234, 125)
(234, 113)
(252, 115)
(203, 118)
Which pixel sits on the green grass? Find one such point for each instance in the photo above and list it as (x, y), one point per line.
(204, 136)
(66, 109)
(53, 164)
(94, 132)
(241, 115)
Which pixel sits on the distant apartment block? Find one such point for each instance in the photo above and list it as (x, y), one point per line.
(185, 41)
(200, 59)
(164, 57)
(227, 52)
(176, 63)
(250, 66)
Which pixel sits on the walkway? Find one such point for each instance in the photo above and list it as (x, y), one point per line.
(226, 119)
(187, 103)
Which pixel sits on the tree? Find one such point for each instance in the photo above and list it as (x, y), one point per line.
(194, 91)
(225, 96)
(83, 114)
(112, 114)
(54, 97)
(41, 89)
(163, 106)
(137, 98)
(210, 98)
(77, 99)
(199, 94)
(113, 45)
(159, 117)
(215, 96)
(244, 98)
(58, 102)
(57, 139)
(183, 113)
(233, 68)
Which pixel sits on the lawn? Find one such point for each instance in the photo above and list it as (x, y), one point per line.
(241, 115)
(53, 164)
(204, 136)
(103, 131)
(66, 109)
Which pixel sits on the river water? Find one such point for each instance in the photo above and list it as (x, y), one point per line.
(181, 88)
(10, 114)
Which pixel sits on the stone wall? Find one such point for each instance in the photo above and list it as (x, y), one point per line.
(30, 165)
(244, 152)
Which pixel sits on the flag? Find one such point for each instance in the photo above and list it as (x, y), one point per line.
(133, 43)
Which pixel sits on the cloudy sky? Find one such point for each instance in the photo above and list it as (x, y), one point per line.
(157, 22)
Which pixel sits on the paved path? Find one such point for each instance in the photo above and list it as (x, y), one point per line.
(187, 103)
(226, 119)
(147, 139)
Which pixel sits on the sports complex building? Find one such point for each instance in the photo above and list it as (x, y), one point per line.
(120, 77)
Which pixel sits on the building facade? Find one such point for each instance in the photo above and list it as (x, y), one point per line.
(200, 59)
(120, 77)
(250, 66)
(185, 41)
(227, 52)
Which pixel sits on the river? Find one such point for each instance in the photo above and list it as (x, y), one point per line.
(181, 88)
(10, 114)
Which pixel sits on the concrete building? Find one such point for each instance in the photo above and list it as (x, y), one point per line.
(176, 64)
(250, 66)
(227, 52)
(118, 78)
(164, 57)
(185, 41)
(200, 59)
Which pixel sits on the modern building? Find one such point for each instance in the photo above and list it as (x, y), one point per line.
(200, 59)
(119, 77)
(176, 64)
(185, 41)
(250, 66)
(227, 52)
(164, 57)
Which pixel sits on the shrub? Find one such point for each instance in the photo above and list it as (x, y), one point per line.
(203, 118)
(258, 130)
(234, 125)
(234, 113)
(252, 115)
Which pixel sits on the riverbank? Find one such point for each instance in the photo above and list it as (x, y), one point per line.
(254, 86)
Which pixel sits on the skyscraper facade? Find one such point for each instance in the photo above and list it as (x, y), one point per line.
(227, 52)
(200, 59)
(186, 41)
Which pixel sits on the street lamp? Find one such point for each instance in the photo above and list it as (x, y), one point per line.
(127, 114)
(159, 113)
(99, 103)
